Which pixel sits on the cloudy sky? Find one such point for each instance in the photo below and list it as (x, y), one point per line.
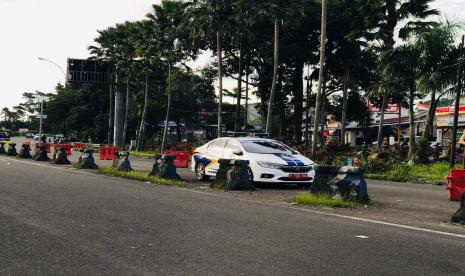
(58, 29)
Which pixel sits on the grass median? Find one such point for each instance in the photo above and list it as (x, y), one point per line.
(140, 176)
(324, 200)
(435, 172)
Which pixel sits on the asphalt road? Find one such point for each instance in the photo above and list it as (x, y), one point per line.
(56, 221)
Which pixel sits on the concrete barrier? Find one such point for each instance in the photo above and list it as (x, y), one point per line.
(164, 167)
(86, 161)
(345, 182)
(61, 158)
(233, 175)
(125, 165)
(12, 150)
(41, 154)
(2, 148)
(459, 216)
(25, 151)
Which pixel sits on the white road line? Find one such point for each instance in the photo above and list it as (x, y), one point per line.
(282, 205)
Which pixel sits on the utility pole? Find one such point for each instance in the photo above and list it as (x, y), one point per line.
(457, 106)
(307, 109)
(324, 13)
(41, 117)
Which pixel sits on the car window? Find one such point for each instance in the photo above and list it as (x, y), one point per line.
(218, 145)
(266, 147)
(231, 146)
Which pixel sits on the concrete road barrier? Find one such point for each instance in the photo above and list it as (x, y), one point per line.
(12, 150)
(41, 154)
(61, 158)
(164, 167)
(233, 175)
(25, 151)
(125, 165)
(345, 182)
(2, 148)
(86, 161)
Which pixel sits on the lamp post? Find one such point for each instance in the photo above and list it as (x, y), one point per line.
(54, 63)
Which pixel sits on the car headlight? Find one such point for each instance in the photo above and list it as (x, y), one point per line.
(270, 165)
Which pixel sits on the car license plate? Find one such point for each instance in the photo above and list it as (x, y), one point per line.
(298, 176)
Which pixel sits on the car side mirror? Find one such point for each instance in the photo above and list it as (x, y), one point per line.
(237, 152)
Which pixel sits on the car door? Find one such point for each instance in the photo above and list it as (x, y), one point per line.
(231, 146)
(215, 152)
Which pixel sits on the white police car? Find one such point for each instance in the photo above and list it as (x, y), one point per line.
(270, 161)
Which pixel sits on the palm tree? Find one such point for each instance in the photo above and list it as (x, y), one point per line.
(435, 46)
(147, 54)
(213, 19)
(401, 68)
(391, 13)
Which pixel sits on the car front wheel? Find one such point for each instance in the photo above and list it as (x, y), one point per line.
(200, 172)
(250, 174)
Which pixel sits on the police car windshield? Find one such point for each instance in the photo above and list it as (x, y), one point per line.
(266, 147)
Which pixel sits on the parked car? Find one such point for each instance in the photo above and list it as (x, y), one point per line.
(270, 161)
(37, 137)
(4, 136)
(29, 135)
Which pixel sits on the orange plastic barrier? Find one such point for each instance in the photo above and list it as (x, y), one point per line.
(456, 185)
(67, 148)
(182, 158)
(47, 147)
(79, 146)
(108, 153)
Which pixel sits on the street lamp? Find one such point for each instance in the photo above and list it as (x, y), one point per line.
(49, 61)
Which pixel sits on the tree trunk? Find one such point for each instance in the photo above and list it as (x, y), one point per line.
(168, 107)
(237, 123)
(344, 105)
(430, 118)
(381, 120)
(220, 83)
(324, 11)
(126, 112)
(411, 115)
(298, 100)
(144, 112)
(269, 117)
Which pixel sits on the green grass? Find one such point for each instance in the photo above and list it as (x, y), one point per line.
(416, 172)
(140, 176)
(324, 200)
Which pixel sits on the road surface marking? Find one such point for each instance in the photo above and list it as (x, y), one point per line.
(282, 205)
(362, 237)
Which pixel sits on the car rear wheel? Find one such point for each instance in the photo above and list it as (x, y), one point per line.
(200, 172)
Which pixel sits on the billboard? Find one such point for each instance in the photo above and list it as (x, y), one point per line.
(88, 71)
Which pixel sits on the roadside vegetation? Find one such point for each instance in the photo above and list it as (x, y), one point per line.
(427, 164)
(140, 176)
(324, 200)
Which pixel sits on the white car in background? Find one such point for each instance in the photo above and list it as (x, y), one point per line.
(270, 161)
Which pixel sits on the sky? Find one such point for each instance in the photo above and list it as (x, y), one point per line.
(60, 29)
